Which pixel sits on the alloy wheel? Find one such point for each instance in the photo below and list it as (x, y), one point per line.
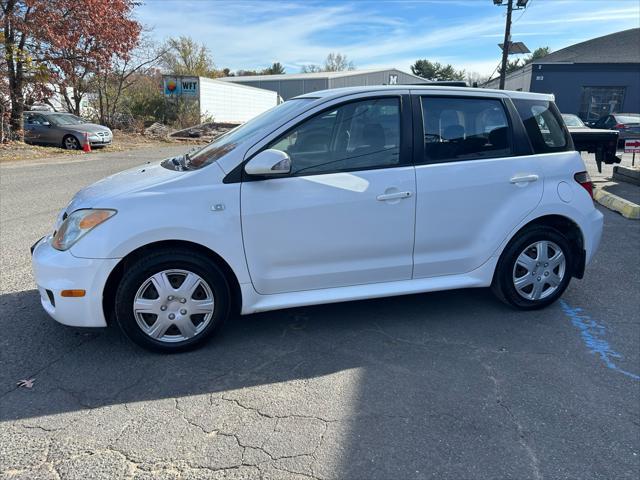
(71, 143)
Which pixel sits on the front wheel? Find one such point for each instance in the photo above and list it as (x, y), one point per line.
(172, 301)
(69, 142)
(535, 269)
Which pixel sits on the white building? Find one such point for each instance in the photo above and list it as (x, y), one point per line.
(224, 102)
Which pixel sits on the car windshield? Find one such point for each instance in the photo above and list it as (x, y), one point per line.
(572, 120)
(627, 118)
(227, 142)
(64, 119)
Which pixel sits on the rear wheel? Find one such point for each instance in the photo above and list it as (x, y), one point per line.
(70, 142)
(535, 268)
(172, 301)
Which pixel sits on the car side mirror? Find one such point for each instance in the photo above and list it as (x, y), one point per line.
(46, 124)
(269, 162)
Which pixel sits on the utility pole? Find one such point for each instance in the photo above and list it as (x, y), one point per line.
(506, 44)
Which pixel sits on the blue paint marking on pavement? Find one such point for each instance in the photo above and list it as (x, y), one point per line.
(592, 334)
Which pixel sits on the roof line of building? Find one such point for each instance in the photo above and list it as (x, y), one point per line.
(312, 75)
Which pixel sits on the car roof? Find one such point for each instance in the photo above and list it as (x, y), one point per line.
(482, 92)
(47, 112)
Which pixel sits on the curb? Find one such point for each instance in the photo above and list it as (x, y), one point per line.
(618, 204)
(628, 175)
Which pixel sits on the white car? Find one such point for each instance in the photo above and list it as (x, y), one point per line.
(336, 195)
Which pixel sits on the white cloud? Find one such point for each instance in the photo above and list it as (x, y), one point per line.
(254, 34)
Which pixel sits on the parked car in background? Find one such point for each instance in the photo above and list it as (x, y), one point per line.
(600, 141)
(341, 194)
(573, 121)
(627, 125)
(63, 130)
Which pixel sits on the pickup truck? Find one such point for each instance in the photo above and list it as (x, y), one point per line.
(593, 140)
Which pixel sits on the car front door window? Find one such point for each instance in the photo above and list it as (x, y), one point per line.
(354, 136)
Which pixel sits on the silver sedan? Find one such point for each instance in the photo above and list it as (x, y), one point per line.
(64, 130)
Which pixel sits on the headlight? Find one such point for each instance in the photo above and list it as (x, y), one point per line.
(77, 225)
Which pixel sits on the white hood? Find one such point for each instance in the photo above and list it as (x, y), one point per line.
(127, 181)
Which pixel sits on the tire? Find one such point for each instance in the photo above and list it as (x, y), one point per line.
(155, 286)
(523, 279)
(69, 142)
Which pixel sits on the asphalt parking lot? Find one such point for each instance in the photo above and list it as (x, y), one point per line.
(444, 385)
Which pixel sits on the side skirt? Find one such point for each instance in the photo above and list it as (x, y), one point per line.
(252, 302)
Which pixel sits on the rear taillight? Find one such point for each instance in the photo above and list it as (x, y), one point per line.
(584, 180)
(620, 126)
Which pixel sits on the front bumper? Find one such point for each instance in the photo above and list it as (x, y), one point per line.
(55, 271)
(99, 142)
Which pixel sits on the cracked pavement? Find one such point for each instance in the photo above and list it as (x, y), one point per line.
(449, 385)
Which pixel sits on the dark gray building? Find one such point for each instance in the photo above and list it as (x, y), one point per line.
(591, 79)
(291, 85)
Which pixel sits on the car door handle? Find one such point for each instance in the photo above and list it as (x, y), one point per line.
(524, 178)
(393, 196)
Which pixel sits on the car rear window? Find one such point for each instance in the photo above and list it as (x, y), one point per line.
(627, 118)
(457, 129)
(572, 120)
(544, 126)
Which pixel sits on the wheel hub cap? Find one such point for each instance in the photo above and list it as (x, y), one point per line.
(173, 305)
(539, 270)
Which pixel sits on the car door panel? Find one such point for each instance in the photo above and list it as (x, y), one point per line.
(319, 228)
(30, 133)
(466, 209)
(32, 128)
(52, 135)
(322, 231)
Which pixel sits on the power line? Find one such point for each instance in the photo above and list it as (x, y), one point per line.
(494, 71)
(523, 11)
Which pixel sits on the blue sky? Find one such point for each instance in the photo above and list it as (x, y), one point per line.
(252, 34)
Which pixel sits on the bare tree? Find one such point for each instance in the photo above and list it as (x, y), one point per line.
(476, 78)
(337, 62)
(112, 83)
(310, 68)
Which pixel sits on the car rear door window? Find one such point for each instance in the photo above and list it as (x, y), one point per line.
(354, 136)
(35, 119)
(544, 125)
(458, 128)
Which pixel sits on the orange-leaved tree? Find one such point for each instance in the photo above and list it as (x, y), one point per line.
(62, 42)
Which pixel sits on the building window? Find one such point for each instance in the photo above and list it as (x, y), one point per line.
(600, 101)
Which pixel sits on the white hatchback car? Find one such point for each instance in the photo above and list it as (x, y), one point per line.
(335, 195)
